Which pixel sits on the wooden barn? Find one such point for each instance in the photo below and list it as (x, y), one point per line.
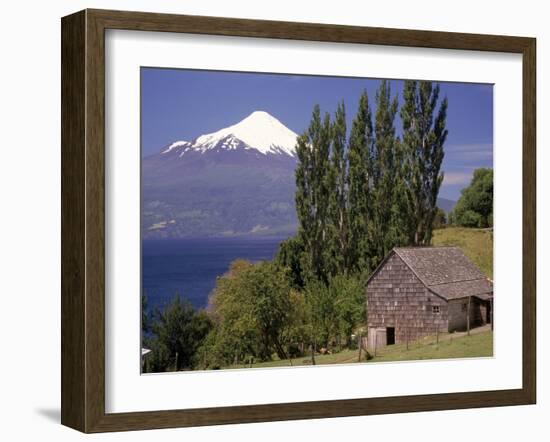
(420, 291)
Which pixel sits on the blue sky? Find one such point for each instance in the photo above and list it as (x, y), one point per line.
(183, 104)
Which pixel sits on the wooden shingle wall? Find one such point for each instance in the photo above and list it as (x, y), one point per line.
(397, 298)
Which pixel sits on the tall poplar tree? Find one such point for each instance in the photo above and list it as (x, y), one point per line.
(337, 246)
(424, 134)
(387, 228)
(312, 193)
(360, 177)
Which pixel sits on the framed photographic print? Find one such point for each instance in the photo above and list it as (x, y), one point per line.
(269, 220)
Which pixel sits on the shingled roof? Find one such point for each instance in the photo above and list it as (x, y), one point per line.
(446, 271)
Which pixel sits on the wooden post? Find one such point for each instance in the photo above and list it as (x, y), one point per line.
(313, 353)
(468, 316)
(375, 341)
(437, 336)
(360, 346)
(407, 339)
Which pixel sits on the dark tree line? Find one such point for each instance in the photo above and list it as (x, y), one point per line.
(358, 196)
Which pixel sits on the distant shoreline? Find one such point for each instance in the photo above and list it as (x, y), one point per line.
(219, 237)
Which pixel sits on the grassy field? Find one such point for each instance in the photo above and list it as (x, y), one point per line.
(450, 346)
(477, 244)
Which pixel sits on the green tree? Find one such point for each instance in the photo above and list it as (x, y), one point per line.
(334, 310)
(295, 334)
(290, 256)
(269, 294)
(337, 225)
(252, 307)
(159, 359)
(320, 313)
(475, 206)
(235, 335)
(312, 192)
(359, 197)
(424, 135)
(387, 226)
(179, 331)
(349, 306)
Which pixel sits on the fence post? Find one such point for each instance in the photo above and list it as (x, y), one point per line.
(360, 346)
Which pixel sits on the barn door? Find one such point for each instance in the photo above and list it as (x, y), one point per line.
(390, 335)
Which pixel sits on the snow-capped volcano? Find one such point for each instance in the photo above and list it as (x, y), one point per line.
(238, 180)
(259, 131)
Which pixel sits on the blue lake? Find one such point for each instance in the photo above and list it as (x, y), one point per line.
(189, 267)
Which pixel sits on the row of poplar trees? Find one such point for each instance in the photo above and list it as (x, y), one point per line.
(358, 196)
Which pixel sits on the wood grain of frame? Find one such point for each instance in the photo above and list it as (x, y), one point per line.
(83, 220)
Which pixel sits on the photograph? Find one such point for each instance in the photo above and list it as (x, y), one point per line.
(299, 220)
(250, 221)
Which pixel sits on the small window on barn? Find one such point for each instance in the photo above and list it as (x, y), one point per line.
(435, 309)
(464, 306)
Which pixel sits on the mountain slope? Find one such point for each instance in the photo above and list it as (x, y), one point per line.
(235, 181)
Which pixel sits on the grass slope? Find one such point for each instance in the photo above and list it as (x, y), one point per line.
(450, 346)
(477, 244)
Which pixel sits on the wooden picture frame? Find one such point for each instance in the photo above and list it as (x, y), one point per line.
(83, 220)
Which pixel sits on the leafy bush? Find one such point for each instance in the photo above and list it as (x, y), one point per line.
(252, 308)
(177, 333)
(469, 218)
(475, 206)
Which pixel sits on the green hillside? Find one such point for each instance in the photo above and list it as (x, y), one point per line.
(477, 244)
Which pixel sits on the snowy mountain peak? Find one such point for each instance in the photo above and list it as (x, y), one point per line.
(260, 131)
